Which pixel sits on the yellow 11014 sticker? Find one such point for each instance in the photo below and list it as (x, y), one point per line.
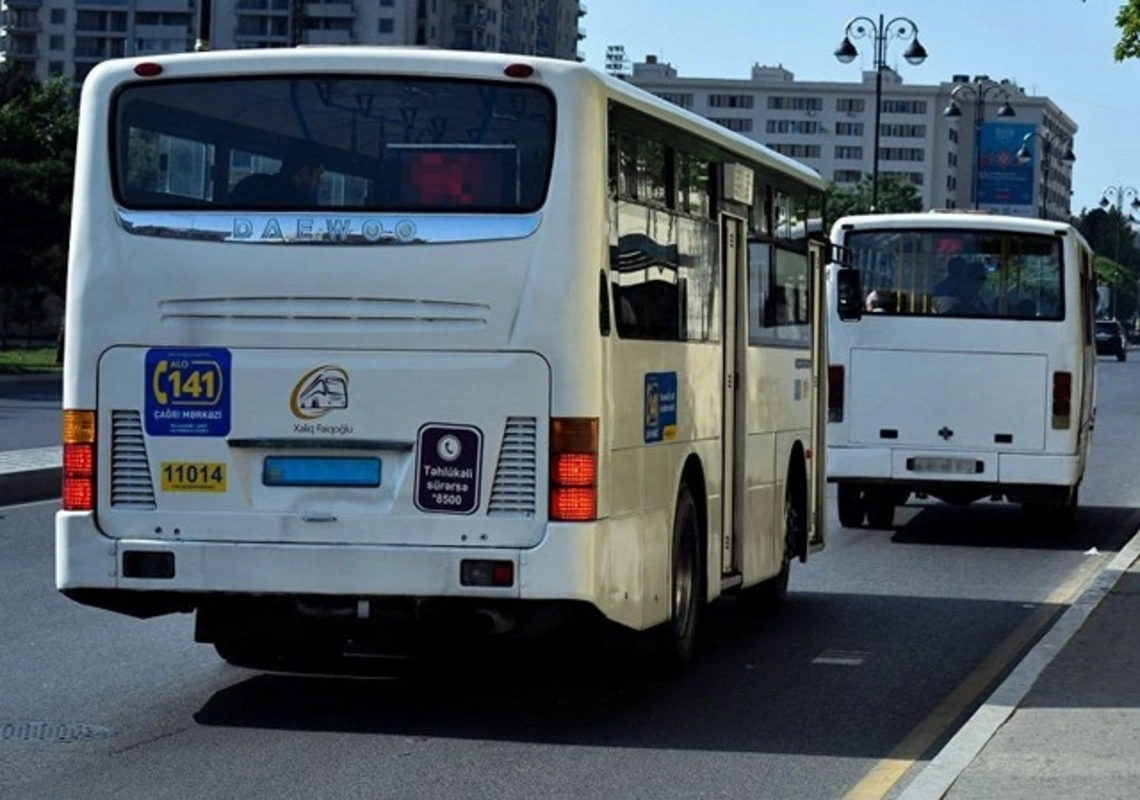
(191, 476)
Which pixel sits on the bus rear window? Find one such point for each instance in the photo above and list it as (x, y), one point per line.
(959, 273)
(362, 143)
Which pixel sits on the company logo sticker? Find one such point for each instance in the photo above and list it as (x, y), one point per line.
(318, 392)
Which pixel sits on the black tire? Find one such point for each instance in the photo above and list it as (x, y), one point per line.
(1122, 355)
(247, 653)
(304, 654)
(768, 597)
(676, 639)
(852, 505)
(881, 509)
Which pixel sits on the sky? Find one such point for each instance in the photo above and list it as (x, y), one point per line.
(1061, 49)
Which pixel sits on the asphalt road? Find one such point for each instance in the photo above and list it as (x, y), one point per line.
(885, 633)
(29, 411)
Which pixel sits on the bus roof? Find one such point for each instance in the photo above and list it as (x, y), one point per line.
(953, 219)
(432, 60)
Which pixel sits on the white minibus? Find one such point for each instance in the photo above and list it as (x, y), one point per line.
(962, 363)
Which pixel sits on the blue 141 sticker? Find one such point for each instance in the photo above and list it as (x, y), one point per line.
(188, 392)
(448, 473)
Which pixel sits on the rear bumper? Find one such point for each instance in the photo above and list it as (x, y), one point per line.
(883, 464)
(561, 567)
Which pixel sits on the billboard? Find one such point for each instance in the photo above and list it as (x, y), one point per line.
(1004, 185)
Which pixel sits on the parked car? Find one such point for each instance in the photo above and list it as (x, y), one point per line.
(1111, 339)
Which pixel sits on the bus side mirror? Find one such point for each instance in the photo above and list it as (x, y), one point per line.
(849, 291)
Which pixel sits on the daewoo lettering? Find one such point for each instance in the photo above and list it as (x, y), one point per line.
(322, 229)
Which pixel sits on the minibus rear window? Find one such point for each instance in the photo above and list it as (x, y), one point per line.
(981, 274)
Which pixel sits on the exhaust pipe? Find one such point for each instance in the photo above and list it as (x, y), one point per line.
(495, 621)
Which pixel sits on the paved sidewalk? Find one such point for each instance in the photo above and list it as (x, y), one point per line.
(27, 475)
(1077, 733)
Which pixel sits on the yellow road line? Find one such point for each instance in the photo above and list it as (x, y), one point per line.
(885, 774)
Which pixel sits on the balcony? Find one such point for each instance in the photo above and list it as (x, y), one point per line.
(330, 10)
(581, 9)
(328, 37)
(23, 23)
(24, 3)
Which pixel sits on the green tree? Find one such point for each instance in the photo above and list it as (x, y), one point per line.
(38, 125)
(896, 195)
(1111, 236)
(1128, 23)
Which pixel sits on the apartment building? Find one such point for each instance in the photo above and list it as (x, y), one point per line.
(68, 37)
(830, 127)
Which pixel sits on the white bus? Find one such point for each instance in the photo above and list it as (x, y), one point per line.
(367, 339)
(962, 363)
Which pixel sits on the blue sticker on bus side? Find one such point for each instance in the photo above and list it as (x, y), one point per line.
(660, 406)
(188, 392)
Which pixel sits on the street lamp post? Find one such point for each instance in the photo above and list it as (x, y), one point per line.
(1119, 195)
(1048, 145)
(979, 90)
(882, 32)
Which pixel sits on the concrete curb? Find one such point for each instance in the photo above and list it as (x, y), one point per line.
(30, 485)
(936, 779)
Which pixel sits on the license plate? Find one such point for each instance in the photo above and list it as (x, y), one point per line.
(192, 476)
(955, 466)
(327, 471)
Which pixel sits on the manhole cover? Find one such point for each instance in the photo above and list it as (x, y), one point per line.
(51, 732)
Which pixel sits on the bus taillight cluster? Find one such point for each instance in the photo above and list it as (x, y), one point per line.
(78, 460)
(573, 469)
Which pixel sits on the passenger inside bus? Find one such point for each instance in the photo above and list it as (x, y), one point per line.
(958, 292)
(294, 185)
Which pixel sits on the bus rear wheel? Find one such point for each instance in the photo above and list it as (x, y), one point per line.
(676, 639)
(852, 505)
(880, 509)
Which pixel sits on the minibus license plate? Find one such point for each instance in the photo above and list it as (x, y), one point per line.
(321, 471)
(957, 466)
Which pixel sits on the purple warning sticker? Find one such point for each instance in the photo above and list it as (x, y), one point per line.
(448, 459)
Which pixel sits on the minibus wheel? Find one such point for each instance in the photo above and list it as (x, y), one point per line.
(880, 509)
(852, 505)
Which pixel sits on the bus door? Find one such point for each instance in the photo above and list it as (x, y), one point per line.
(818, 259)
(734, 271)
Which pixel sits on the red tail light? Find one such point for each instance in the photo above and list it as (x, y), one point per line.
(78, 460)
(835, 393)
(1062, 400)
(574, 469)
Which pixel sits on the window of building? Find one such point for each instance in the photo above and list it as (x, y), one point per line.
(55, 67)
(682, 99)
(847, 176)
(797, 150)
(902, 154)
(59, 16)
(848, 153)
(733, 124)
(806, 127)
(904, 106)
(56, 42)
(387, 25)
(851, 105)
(783, 102)
(904, 131)
(849, 129)
(731, 101)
